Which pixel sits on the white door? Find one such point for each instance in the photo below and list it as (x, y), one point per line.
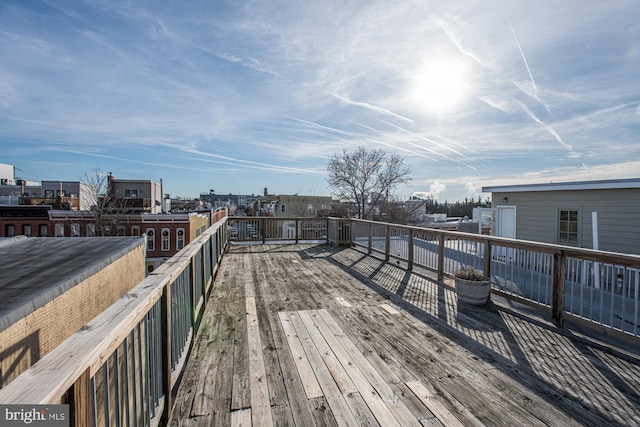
(506, 227)
(506, 222)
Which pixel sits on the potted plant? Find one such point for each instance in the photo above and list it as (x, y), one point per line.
(472, 286)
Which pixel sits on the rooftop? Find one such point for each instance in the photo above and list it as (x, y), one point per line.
(565, 186)
(320, 335)
(36, 270)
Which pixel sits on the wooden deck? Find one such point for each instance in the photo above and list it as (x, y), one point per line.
(315, 335)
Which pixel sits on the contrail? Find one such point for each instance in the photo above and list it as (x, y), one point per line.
(515, 37)
(372, 108)
(549, 129)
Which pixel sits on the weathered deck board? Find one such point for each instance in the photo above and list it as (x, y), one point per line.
(398, 336)
(309, 381)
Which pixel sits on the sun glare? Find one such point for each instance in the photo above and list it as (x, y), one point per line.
(439, 85)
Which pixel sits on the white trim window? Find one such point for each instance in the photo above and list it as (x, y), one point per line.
(568, 227)
(75, 229)
(135, 230)
(179, 238)
(166, 239)
(90, 230)
(151, 239)
(59, 230)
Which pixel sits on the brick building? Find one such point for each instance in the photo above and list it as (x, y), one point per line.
(166, 234)
(50, 288)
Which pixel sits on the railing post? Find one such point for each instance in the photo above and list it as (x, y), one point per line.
(297, 234)
(80, 404)
(557, 302)
(263, 232)
(410, 251)
(165, 312)
(370, 233)
(387, 242)
(487, 259)
(441, 256)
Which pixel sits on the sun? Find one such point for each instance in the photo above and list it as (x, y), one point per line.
(439, 85)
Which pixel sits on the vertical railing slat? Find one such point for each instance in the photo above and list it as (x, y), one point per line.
(410, 250)
(116, 387)
(105, 389)
(127, 389)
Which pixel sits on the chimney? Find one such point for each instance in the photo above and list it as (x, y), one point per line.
(110, 189)
(265, 191)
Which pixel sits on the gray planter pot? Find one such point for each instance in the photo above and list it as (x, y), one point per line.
(472, 291)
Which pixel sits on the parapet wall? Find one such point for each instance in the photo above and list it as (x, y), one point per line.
(30, 338)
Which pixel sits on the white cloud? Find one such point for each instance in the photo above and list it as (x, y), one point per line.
(435, 191)
(471, 189)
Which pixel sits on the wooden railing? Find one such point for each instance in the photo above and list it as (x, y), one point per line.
(595, 286)
(121, 368)
(289, 229)
(282, 229)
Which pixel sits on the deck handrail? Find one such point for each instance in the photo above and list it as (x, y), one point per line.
(577, 273)
(129, 335)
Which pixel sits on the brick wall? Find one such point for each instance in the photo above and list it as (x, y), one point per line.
(29, 339)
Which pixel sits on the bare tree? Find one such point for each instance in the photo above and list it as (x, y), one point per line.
(365, 176)
(107, 212)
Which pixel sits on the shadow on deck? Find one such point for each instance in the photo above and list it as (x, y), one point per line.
(318, 335)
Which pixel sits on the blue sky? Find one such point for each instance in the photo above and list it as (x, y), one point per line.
(240, 95)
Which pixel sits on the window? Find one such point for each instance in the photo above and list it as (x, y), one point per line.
(283, 209)
(26, 230)
(135, 230)
(166, 239)
(75, 230)
(48, 194)
(43, 230)
(59, 230)
(91, 230)
(179, 238)
(121, 230)
(9, 230)
(568, 227)
(131, 194)
(151, 240)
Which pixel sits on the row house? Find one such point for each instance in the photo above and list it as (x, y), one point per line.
(136, 195)
(166, 234)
